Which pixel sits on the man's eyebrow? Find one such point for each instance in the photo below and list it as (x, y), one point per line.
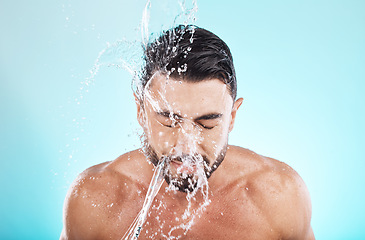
(168, 114)
(209, 116)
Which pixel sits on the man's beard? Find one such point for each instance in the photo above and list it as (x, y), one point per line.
(185, 182)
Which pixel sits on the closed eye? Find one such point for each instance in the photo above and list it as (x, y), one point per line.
(172, 125)
(209, 121)
(167, 120)
(209, 124)
(206, 127)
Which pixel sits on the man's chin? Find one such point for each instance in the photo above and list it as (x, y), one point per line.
(185, 178)
(186, 183)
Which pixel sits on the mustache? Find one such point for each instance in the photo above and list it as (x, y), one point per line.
(190, 158)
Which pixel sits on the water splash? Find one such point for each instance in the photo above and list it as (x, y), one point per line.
(144, 23)
(155, 185)
(187, 14)
(190, 214)
(128, 55)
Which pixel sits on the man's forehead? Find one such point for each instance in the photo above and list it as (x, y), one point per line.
(165, 84)
(188, 98)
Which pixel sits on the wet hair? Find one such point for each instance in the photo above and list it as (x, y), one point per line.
(189, 53)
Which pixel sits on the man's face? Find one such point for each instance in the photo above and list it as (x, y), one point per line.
(187, 124)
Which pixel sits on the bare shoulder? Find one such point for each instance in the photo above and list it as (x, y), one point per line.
(98, 196)
(278, 192)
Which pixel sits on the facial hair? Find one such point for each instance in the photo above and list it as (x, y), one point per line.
(184, 182)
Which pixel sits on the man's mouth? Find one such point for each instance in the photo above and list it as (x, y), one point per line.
(186, 167)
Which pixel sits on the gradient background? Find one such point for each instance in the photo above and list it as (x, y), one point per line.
(300, 67)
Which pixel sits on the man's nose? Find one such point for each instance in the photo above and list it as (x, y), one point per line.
(188, 136)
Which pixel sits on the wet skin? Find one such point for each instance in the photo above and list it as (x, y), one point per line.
(252, 197)
(182, 118)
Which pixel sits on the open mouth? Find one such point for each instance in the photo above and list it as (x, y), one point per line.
(186, 167)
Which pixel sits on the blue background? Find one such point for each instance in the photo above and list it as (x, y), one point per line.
(300, 67)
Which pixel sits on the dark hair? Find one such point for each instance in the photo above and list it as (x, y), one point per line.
(189, 53)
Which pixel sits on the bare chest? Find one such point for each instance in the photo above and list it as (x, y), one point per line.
(223, 218)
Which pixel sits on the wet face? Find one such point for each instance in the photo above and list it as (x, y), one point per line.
(187, 125)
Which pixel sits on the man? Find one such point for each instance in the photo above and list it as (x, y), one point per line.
(186, 105)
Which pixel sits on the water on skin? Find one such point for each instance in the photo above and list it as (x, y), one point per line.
(190, 214)
(187, 219)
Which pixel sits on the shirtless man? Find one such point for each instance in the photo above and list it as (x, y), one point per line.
(186, 105)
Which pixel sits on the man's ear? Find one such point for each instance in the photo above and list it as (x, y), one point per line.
(140, 117)
(236, 105)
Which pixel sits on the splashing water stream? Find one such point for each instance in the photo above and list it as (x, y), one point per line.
(155, 185)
